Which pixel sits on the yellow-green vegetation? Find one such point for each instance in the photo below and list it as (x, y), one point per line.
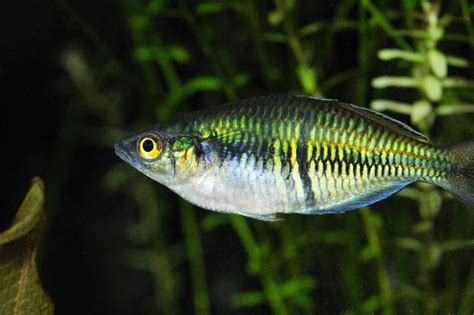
(21, 292)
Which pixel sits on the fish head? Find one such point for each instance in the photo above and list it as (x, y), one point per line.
(164, 157)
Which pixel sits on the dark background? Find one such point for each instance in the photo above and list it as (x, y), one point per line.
(64, 132)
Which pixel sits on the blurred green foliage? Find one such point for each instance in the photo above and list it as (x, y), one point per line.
(413, 253)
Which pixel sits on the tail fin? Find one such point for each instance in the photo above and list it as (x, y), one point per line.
(461, 181)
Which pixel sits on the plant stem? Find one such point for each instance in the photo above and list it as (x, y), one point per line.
(269, 286)
(167, 68)
(426, 259)
(209, 51)
(375, 248)
(466, 8)
(363, 56)
(152, 82)
(381, 20)
(150, 228)
(269, 71)
(467, 301)
(297, 48)
(350, 268)
(192, 239)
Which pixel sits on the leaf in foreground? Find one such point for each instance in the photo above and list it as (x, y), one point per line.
(20, 287)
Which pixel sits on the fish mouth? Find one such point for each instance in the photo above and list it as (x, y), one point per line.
(122, 152)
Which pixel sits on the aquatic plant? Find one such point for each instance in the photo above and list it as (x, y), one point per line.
(183, 55)
(429, 75)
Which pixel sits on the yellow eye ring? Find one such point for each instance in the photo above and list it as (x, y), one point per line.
(150, 147)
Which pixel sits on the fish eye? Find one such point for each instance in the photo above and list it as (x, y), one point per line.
(150, 147)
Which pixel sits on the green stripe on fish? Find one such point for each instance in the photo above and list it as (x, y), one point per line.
(293, 154)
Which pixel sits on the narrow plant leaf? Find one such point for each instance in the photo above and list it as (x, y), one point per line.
(457, 62)
(390, 54)
(211, 7)
(20, 288)
(389, 81)
(396, 107)
(457, 82)
(452, 109)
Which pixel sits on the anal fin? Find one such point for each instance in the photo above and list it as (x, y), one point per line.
(363, 200)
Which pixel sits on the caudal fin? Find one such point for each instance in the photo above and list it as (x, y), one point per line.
(461, 181)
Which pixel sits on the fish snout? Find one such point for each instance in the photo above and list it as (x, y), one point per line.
(124, 150)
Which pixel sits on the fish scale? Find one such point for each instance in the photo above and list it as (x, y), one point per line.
(288, 154)
(296, 135)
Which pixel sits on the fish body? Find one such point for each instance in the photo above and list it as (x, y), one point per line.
(294, 154)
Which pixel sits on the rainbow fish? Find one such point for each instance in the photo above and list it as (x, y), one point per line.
(293, 154)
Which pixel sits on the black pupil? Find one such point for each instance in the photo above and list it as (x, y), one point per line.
(148, 145)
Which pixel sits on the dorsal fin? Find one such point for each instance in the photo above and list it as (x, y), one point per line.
(380, 118)
(388, 122)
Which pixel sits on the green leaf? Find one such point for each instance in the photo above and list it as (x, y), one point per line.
(293, 289)
(311, 28)
(389, 81)
(27, 216)
(457, 82)
(432, 88)
(249, 299)
(408, 243)
(457, 62)
(390, 54)
(274, 37)
(211, 7)
(397, 107)
(275, 17)
(452, 109)
(438, 63)
(179, 54)
(20, 287)
(421, 112)
(456, 245)
(307, 79)
(143, 53)
(176, 53)
(372, 305)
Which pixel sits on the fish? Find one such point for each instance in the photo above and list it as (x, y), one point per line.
(280, 154)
